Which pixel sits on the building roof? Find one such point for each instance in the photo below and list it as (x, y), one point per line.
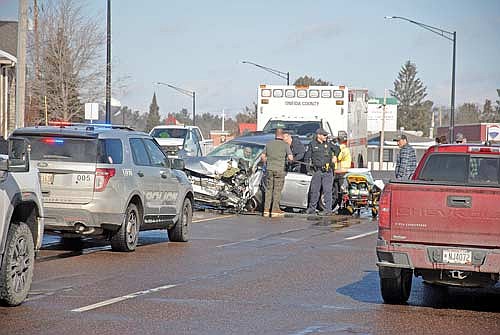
(8, 37)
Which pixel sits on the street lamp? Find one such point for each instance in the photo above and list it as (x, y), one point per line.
(108, 64)
(451, 36)
(191, 94)
(284, 75)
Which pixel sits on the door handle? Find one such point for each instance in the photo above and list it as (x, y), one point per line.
(459, 201)
(140, 174)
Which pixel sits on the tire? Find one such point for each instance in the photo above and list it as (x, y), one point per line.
(125, 239)
(396, 289)
(180, 232)
(18, 262)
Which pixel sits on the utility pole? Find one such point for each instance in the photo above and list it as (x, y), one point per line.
(382, 133)
(22, 31)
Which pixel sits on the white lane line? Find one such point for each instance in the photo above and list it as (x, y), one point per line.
(122, 298)
(234, 243)
(362, 235)
(215, 218)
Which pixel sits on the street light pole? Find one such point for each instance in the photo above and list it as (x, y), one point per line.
(451, 36)
(284, 75)
(191, 94)
(108, 64)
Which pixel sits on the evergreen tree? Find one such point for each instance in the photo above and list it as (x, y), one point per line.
(153, 118)
(410, 92)
(310, 81)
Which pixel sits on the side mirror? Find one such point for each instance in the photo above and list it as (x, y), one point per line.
(18, 155)
(177, 164)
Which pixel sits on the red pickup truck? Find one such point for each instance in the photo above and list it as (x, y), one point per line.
(444, 224)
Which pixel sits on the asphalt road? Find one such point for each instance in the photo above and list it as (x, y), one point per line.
(239, 275)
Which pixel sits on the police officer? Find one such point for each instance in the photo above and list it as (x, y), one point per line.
(320, 157)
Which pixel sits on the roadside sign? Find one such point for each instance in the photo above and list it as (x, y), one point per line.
(91, 111)
(493, 133)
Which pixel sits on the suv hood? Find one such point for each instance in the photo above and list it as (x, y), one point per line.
(170, 141)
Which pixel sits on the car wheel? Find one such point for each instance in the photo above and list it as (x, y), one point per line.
(125, 239)
(180, 232)
(18, 261)
(396, 289)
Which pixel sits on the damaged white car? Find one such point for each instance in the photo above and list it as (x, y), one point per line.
(229, 177)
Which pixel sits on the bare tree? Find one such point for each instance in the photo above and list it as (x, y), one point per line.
(66, 63)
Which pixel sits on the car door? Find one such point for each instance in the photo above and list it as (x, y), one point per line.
(295, 190)
(192, 145)
(168, 185)
(147, 178)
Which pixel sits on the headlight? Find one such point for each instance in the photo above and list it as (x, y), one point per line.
(180, 147)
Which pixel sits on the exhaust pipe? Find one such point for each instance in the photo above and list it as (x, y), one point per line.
(80, 228)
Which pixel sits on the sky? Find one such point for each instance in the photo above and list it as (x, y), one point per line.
(199, 45)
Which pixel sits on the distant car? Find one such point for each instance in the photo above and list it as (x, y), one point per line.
(178, 141)
(108, 181)
(230, 177)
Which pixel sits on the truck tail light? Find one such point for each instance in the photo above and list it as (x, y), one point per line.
(384, 208)
(102, 177)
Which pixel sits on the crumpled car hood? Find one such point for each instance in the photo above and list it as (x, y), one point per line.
(208, 165)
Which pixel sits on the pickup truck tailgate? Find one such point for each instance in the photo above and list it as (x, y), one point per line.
(443, 214)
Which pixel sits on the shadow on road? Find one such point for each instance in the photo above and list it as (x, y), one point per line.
(424, 295)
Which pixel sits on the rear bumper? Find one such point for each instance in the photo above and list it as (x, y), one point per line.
(72, 220)
(426, 257)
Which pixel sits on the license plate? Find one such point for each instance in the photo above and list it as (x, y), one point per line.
(83, 179)
(46, 178)
(457, 256)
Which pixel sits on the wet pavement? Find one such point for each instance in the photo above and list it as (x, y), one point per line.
(239, 274)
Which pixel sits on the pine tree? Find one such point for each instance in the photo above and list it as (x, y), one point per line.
(410, 92)
(153, 116)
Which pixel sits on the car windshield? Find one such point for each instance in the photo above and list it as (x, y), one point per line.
(236, 149)
(301, 128)
(169, 133)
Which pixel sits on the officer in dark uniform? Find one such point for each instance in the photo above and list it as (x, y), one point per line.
(320, 157)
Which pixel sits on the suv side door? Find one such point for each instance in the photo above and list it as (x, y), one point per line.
(168, 185)
(147, 177)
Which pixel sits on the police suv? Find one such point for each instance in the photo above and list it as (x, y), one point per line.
(110, 181)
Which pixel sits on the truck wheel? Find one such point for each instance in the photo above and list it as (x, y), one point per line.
(396, 289)
(17, 265)
(180, 232)
(125, 239)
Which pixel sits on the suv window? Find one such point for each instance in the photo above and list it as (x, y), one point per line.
(139, 152)
(156, 155)
(110, 151)
(78, 150)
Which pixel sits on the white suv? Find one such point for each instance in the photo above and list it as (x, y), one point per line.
(108, 181)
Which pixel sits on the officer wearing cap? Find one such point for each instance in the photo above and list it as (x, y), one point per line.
(320, 158)
(406, 161)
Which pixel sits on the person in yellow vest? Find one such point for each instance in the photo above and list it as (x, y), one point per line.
(343, 163)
